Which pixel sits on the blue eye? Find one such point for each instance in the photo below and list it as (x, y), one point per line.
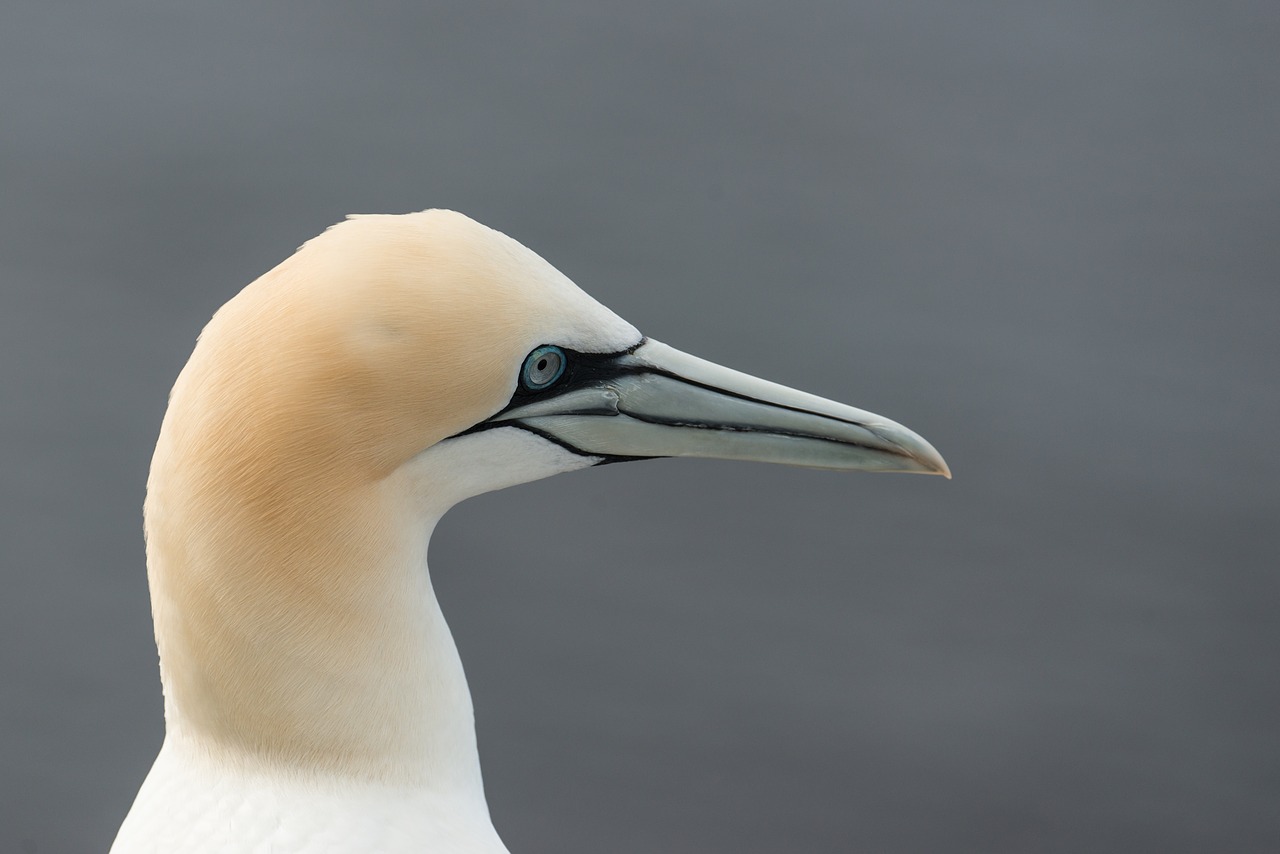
(542, 367)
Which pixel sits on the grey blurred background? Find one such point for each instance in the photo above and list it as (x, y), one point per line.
(1046, 235)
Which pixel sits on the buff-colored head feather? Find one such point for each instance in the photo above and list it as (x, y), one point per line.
(274, 504)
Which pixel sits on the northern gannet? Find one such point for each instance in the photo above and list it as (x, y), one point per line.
(328, 417)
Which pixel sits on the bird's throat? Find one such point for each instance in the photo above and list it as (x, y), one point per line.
(332, 658)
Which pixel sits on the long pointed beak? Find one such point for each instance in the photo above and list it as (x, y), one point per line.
(656, 401)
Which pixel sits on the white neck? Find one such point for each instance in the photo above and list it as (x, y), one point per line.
(298, 629)
(329, 669)
(310, 678)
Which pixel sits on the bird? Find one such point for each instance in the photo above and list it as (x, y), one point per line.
(329, 415)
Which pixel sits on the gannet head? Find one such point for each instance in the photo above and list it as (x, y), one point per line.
(391, 367)
(393, 335)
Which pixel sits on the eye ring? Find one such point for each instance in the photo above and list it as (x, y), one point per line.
(542, 368)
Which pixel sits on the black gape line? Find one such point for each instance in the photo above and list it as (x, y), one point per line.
(601, 459)
(580, 370)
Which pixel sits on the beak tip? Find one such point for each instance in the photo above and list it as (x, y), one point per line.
(934, 465)
(919, 455)
(940, 466)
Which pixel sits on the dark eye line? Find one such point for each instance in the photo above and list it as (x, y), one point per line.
(577, 368)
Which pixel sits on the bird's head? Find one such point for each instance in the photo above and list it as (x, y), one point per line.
(388, 337)
(330, 412)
